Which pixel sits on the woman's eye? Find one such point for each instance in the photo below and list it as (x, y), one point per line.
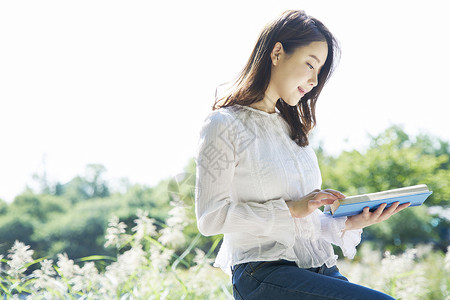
(310, 66)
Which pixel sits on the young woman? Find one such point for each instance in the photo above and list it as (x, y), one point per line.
(258, 181)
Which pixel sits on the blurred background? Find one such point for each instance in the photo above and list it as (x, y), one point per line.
(101, 104)
(127, 85)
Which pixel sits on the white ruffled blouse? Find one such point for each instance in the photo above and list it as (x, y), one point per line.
(247, 167)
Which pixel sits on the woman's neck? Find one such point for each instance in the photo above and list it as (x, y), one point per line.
(267, 104)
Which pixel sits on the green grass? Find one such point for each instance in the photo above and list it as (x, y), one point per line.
(147, 267)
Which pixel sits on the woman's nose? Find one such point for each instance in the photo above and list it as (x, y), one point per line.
(313, 80)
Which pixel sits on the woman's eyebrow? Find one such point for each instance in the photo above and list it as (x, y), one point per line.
(315, 57)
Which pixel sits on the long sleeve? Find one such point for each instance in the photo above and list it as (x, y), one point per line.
(332, 231)
(216, 211)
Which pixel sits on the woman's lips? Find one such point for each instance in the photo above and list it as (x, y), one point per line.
(301, 91)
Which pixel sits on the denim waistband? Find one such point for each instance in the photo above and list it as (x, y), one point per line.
(281, 261)
(319, 270)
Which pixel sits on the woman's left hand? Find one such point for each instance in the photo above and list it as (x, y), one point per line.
(367, 218)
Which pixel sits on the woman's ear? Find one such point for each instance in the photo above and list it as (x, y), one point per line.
(276, 53)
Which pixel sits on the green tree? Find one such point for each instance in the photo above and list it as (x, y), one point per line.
(39, 207)
(3, 207)
(80, 232)
(91, 185)
(16, 227)
(154, 200)
(394, 160)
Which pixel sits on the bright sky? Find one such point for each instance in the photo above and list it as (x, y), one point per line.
(127, 84)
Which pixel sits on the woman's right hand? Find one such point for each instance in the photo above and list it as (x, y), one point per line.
(309, 203)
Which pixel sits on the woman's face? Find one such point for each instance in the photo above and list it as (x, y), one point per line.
(296, 74)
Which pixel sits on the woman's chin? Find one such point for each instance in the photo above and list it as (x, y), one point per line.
(292, 102)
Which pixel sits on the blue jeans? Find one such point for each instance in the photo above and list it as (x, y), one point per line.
(284, 280)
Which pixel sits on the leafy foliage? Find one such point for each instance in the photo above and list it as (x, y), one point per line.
(144, 266)
(395, 160)
(73, 217)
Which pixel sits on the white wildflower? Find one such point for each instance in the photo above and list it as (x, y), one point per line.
(369, 256)
(178, 215)
(423, 250)
(19, 256)
(107, 286)
(90, 273)
(144, 225)
(394, 265)
(47, 267)
(405, 276)
(44, 277)
(77, 283)
(172, 236)
(66, 266)
(200, 257)
(85, 277)
(115, 233)
(127, 264)
(79, 278)
(201, 281)
(89, 270)
(160, 259)
(357, 272)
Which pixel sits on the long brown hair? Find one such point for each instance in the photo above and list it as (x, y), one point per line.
(293, 29)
